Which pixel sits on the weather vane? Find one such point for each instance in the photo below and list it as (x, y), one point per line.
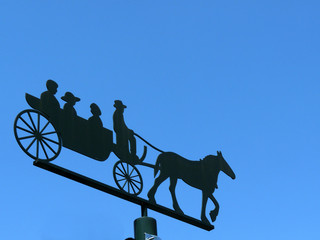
(43, 130)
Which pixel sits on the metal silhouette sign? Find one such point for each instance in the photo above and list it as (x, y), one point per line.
(42, 131)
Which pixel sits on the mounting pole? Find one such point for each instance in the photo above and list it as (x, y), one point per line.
(144, 224)
(144, 211)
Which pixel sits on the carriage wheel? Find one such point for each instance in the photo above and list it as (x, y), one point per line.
(127, 178)
(36, 135)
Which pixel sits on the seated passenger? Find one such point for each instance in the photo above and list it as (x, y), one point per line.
(48, 101)
(95, 120)
(70, 100)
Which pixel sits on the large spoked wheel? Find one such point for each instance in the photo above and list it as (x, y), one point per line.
(127, 178)
(36, 135)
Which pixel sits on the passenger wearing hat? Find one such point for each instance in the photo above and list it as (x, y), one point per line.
(70, 100)
(95, 118)
(49, 103)
(124, 135)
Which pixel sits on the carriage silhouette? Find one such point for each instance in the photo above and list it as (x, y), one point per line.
(41, 135)
(42, 131)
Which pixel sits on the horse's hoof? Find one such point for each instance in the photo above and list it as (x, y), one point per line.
(152, 200)
(179, 211)
(205, 221)
(213, 216)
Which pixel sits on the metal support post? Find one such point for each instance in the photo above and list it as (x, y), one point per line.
(144, 224)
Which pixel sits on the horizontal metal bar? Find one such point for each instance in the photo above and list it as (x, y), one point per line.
(115, 192)
(146, 164)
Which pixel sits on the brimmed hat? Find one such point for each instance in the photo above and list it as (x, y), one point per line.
(69, 97)
(119, 104)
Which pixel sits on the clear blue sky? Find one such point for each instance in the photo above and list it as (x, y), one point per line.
(241, 77)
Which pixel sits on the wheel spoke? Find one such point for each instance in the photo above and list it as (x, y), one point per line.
(133, 184)
(38, 128)
(26, 137)
(50, 140)
(27, 124)
(119, 180)
(123, 167)
(44, 150)
(124, 185)
(48, 133)
(31, 144)
(128, 187)
(127, 168)
(135, 176)
(121, 171)
(119, 174)
(133, 188)
(137, 186)
(32, 121)
(37, 153)
(135, 181)
(23, 129)
(45, 127)
(49, 147)
(131, 172)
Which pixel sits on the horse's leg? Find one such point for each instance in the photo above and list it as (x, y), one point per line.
(214, 213)
(203, 208)
(155, 186)
(172, 187)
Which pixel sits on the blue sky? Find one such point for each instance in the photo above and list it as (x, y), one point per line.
(241, 77)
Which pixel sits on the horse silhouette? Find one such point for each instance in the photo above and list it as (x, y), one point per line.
(201, 174)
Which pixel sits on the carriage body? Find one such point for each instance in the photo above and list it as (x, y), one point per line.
(42, 132)
(77, 133)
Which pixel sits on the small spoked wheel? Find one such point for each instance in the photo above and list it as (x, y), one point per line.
(36, 135)
(127, 178)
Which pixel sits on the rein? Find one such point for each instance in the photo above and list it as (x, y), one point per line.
(155, 148)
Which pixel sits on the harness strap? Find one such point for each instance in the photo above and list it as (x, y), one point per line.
(148, 143)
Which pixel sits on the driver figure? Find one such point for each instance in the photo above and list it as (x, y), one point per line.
(124, 135)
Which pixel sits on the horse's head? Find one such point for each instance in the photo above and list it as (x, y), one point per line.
(224, 166)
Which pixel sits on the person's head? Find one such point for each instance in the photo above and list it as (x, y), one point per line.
(52, 86)
(95, 110)
(70, 98)
(119, 105)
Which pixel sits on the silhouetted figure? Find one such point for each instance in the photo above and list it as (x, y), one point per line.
(70, 100)
(124, 135)
(201, 174)
(95, 119)
(49, 103)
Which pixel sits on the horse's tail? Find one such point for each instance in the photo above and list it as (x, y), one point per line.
(157, 166)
